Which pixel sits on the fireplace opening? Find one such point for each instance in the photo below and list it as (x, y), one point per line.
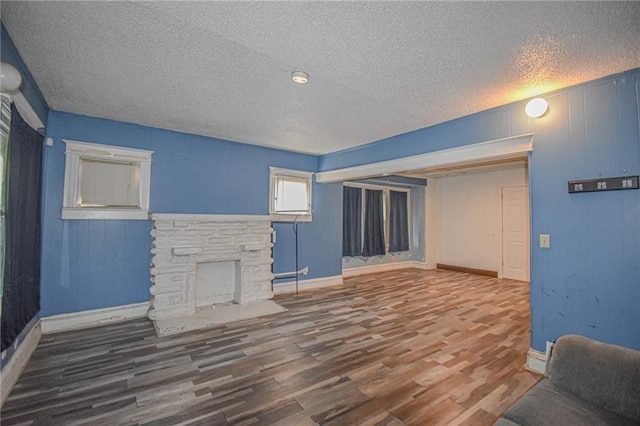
(217, 283)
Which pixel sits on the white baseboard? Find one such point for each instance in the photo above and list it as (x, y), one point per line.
(371, 269)
(16, 365)
(76, 320)
(290, 287)
(536, 361)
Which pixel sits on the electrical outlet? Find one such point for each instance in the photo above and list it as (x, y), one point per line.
(548, 350)
(545, 241)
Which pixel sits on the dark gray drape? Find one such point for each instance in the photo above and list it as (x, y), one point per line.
(373, 223)
(21, 295)
(351, 221)
(398, 222)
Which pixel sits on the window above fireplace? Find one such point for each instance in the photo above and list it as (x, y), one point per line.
(106, 182)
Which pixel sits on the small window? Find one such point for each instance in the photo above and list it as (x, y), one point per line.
(110, 184)
(290, 193)
(106, 182)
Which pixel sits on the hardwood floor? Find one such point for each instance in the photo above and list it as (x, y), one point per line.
(402, 347)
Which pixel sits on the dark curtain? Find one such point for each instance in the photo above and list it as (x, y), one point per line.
(373, 223)
(351, 221)
(398, 222)
(21, 296)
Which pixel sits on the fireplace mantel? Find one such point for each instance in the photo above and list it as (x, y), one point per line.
(208, 217)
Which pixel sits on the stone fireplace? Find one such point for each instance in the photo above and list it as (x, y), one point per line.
(204, 263)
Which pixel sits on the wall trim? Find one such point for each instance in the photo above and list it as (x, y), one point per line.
(19, 360)
(536, 361)
(304, 285)
(26, 111)
(476, 271)
(91, 213)
(383, 267)
(511, 147)
(92, 318)
(205, 217)
(290, 218)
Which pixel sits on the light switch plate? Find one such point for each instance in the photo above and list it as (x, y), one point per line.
(545, 241)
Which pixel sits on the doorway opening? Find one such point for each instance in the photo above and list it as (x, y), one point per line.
(471, 226)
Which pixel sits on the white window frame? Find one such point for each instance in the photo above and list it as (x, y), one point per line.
(77, 151)
(276, 216)
(386, 202)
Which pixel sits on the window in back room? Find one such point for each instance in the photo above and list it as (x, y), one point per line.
(375, 220)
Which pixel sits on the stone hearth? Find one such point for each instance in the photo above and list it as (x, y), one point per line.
(183, 242)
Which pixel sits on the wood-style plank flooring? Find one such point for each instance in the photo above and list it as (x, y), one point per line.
(402, 347)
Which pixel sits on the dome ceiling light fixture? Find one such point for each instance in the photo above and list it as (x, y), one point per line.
(537, 107)
(300, 77)
(11, 78)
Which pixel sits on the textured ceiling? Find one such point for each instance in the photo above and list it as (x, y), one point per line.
(377, 69)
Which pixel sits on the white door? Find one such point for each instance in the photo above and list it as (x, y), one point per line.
(515, 232)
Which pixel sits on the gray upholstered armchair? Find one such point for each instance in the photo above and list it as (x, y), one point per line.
(588, 383)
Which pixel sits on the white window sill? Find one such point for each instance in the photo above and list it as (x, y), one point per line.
(115, 214)
(279, 217)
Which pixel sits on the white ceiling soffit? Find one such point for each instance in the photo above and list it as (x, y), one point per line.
(479, 153)
(377, 69)
(474, 167)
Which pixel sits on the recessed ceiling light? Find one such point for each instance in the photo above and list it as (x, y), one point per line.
(300, 77)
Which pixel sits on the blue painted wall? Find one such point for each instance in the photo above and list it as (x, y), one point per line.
(91, 264)
(28, 88)
(481, 127)
(319, 242)
(588, 282)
